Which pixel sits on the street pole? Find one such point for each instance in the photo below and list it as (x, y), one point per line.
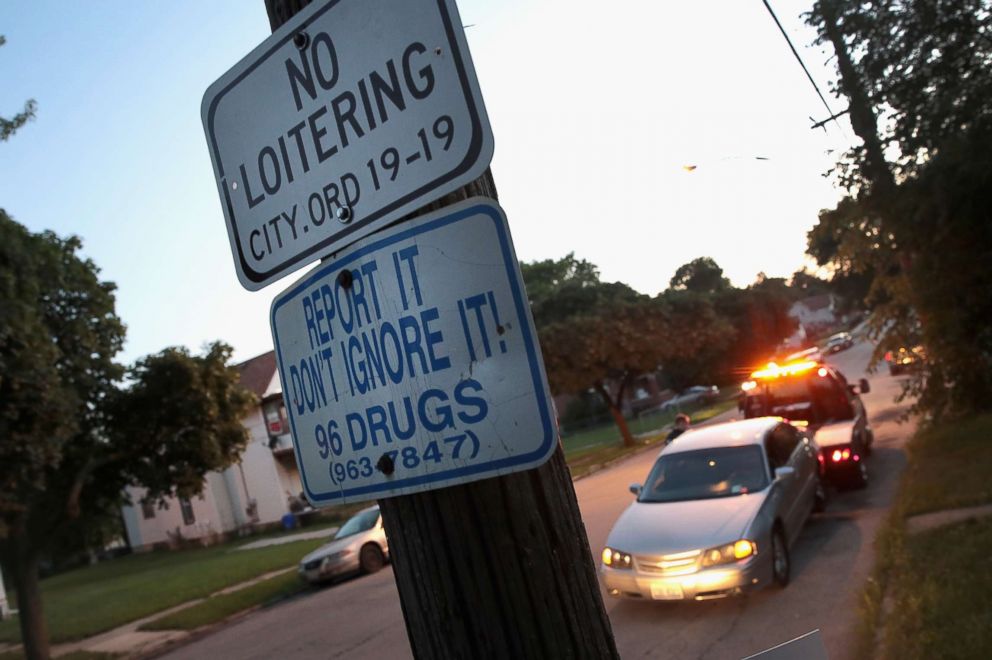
(496, 568)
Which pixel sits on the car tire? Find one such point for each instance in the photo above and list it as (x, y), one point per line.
(820, 496)
(371, 558)
(859, 480)
(781, 565)
(869, 441)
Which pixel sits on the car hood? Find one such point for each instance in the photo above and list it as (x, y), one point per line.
(332, 547)
(838, 433)
(668, 527)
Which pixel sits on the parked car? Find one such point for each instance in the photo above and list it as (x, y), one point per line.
(359, 546)
(903, 359)
(694, 394)
(839, 342)
(819, 396)
(717, 515)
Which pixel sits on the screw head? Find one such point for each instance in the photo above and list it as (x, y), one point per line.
(385, 465)
(343, 214)
(345, 278)
(301, 40)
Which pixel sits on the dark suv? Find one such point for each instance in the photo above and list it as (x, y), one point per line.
(819, 395)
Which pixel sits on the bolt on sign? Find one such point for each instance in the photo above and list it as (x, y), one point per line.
(351, 115)
(409, 361)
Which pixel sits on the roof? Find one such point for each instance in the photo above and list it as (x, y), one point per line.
(257, 373)
(813, 303)
(727, 434)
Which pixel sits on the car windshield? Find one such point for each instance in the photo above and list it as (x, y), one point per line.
(360, 522)
(706, 474)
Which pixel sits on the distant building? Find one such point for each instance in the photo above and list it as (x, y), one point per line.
(257, 490)
(815, 314)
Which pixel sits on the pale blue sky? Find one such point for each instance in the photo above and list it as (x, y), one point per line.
(594, 108)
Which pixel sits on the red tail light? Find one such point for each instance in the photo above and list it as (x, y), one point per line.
(888, 356)
(841, 455)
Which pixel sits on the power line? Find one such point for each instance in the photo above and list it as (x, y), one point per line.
(801, 63)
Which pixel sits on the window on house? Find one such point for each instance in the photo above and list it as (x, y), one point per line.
(187, 508)
(148, 509)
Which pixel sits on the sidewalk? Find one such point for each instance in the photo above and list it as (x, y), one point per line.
(129, 642)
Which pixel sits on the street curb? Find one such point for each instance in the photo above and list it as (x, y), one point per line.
(197, 634)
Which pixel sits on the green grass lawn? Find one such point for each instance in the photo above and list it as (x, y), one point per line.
(943, 595)
(91, 600)
(937, 581)
(218, 608)
(950, 466)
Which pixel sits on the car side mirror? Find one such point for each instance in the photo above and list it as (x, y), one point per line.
(784, 473)
(863, 386)
(635, 489)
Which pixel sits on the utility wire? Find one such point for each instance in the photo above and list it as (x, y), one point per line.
(800, 60)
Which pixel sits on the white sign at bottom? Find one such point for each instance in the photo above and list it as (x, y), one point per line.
(410, 362)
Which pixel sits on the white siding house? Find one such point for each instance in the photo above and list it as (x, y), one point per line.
(815, 313)
(254, 491)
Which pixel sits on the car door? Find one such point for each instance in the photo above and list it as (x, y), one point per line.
(786, 450)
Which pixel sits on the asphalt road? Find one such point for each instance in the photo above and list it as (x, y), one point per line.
(361, 618)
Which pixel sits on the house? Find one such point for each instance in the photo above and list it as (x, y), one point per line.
(815, 314)
(255, 491)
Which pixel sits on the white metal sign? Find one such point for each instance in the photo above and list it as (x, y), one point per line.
(351, 115)
(410, 361)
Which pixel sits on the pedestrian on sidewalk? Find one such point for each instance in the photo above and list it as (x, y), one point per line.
(681, 426)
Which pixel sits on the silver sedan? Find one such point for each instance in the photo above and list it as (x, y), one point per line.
(720, 510)
(359, 546)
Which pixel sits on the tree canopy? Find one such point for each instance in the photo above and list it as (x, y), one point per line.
(9, 126)
(73, 437)
(600, 336)
(915, 230)
(701, 275)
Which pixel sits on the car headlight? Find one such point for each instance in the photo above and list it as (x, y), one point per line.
(336, 556)
(731, 552)
(616, 559)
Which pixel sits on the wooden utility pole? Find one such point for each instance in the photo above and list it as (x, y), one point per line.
(498, 568)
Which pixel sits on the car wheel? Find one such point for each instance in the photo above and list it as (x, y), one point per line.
(780, 558)
(820, 497)
(859, 479)
(371, 558)
(869, 441)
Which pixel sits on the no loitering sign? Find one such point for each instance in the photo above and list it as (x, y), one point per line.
(410, 361)
(351, 115)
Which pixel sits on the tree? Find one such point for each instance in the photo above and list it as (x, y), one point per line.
(757, 320)
(563, 288)
(702, 337)
(72, 440)
(186, 409)
(9, 126)
(701, 275)
(918, 80)
(607, 347)
(602, 335)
